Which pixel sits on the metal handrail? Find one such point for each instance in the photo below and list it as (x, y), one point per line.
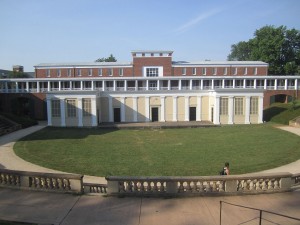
(260, 212)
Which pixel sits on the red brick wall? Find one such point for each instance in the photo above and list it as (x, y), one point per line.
(269, 93)
(140, 62)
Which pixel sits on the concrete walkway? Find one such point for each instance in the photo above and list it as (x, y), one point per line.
(65, 209)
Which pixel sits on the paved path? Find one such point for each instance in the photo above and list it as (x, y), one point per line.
(65, 209)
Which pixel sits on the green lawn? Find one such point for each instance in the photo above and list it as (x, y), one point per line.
(151, 152)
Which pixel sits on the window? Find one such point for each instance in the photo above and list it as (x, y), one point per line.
(55, 107)
(71, 107)
(254, 105)
(245, 71)
(152, 85)
(214, 71)
(78, 72)
(223, 106)
(121, 72)
(239, 106)
(194, 71)
(99, 72)
(234, 71)
(255, 71)
(203, 71)
(225, 71)
(183, 70)
(58, 72)
(87, 107)
(69, 72)
(152, 72)
(110, 72)
(48, 73)
(90, 72)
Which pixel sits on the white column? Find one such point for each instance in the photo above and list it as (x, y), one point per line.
(115, 85)
(217, 110)
(17, 87)
(199, 108)
(110, 109)
(59, 85)
(285, 84)
(62, 113)
(233, 83)
(260, 109)
(103, 85)
(201, 85)
(70, 85)
(49, 86)
(123, 109)
(254, 83)
(212, 84)
(79, 112)
(187, 108)
(94, 112)
(37, 87)
(147, 85)
(191, 85)
(27, 86)
(179, 85)
(81, 85)
(162, 109)
(223, 83)
(244, 83)
(230, 110)
(135, 109)
(169, 85)
(175, 108)
(296, 84)
(265, 84)
(136, 85)
(125, 85)
(147, 108)
(275, 84)
(92, 85)
(247, 110)
(158, 85)
(49, 112)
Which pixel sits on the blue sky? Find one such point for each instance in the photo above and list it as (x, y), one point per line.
(49, 31)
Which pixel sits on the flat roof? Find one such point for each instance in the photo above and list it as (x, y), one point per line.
(218, 63)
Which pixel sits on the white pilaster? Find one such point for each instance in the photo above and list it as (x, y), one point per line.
(199, 108)
(49, 112)
(175, 108)
(135, 109)
(79, 112)
(147, 108)
(62, 113)
(187, 108)
(217, 110)
(260, 109)
(110, 110)
(162, 109)
(247, 110)
(94, 112)
(230, 110)
(123, 109)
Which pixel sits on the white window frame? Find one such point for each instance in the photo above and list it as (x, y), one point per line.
(183, 71)
(48, 73)
(58, 72)
(121, 72)
(203, 70)
(69, 73)
(194, 71)
(79, 72)
(100, 72)
(90, 72)
(159, 69)
(225, 71)
(245, 71)
(214, 71)
(110, 72)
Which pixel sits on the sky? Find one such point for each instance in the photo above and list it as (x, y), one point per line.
(58, 31)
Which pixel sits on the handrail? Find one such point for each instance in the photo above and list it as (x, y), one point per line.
(260, 212)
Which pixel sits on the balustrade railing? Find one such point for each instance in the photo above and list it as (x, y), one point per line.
(41, 181)
(278, 182)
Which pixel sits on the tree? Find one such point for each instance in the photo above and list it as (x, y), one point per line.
(279, 47)
(111, 58)
(14, 74)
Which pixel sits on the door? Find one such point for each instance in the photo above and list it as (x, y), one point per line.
(192, 113)
(154, 114)
(117, 115)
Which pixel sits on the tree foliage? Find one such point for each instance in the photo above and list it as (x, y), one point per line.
(14, 74)
(111, 58)
(277, 46)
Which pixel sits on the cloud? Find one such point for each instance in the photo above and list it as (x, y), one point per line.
(203, 16)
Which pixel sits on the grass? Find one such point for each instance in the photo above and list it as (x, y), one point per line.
(165, 152)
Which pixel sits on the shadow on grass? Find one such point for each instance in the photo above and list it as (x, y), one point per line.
(269, 113)
(51, 133)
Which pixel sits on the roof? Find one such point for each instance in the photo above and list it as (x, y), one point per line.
(218, 63)
(84, 64)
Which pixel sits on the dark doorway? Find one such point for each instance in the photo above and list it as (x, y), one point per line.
(192, 113)
(154, 114)
(117, 115)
